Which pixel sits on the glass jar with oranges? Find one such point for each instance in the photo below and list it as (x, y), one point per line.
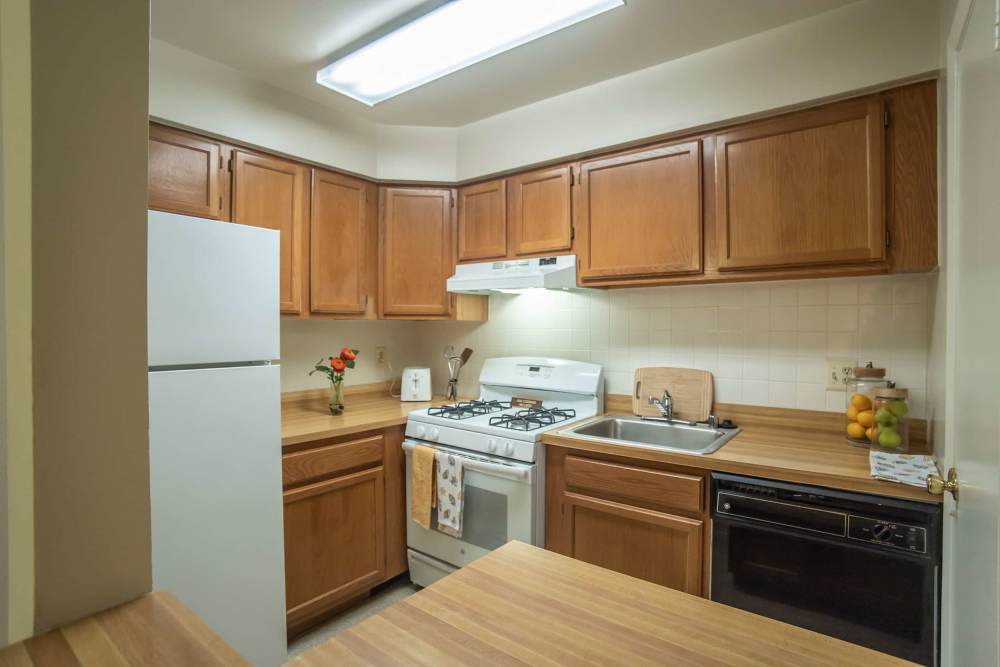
(861, 388)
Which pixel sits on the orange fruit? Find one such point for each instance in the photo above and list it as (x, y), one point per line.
(865, 418)
(870, 434)
(855, 431)
(852, 413)
(861, 402)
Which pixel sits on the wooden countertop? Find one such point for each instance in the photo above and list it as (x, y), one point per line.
(793, 446)
(305, 415)
(521, 605)
(155, 629)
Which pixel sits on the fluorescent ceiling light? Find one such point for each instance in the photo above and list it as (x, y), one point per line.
(455, 35)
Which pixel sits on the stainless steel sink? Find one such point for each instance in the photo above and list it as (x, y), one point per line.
(653, 434)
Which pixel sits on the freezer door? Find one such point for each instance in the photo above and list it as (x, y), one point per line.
(212, 291)
(215, 487)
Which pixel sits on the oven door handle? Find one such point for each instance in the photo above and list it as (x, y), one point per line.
(518, 474)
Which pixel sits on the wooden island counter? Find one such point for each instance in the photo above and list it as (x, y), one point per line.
(521, 605)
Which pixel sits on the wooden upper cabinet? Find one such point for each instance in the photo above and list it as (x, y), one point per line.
(186, 173)
(482, 221)
(417, 253)
(539, 210)
(273, 193)
(639, 214)
(805, 188)
(341, 244)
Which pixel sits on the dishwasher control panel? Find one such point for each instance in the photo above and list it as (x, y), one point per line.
(887, 533)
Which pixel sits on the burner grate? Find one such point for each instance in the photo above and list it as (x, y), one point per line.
(533, 418)
(468, 409)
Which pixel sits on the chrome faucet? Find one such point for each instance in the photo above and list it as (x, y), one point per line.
(665, 405)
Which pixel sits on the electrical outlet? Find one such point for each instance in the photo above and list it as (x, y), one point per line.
(380, 354)
(838, 371)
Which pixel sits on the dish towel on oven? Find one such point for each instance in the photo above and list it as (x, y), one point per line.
(450, 493)
(422, 483)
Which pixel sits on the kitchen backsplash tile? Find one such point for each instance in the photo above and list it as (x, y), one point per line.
(766, 343)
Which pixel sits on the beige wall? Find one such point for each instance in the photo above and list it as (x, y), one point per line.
(765, 343)
(191, 90)
(303, 342)
(15, 96)
(860, 45)
(89, 104)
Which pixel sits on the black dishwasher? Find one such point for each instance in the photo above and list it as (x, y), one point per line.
(862, 568)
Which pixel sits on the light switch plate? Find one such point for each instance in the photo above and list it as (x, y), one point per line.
(838, 371)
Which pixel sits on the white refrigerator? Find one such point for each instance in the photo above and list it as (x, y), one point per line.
(215, 427)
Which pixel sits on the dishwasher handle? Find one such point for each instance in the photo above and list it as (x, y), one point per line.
(516, 473)
(790, 515)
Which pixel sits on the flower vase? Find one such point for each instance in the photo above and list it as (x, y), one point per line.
(337, 398)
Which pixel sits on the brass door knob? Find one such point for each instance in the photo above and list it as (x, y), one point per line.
(938, 485)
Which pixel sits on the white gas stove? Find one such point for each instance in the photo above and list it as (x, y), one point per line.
(520, 399)
(498, 437)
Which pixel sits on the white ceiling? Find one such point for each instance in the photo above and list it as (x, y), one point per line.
(284, 42)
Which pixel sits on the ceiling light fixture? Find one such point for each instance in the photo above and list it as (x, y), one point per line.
(455, 35)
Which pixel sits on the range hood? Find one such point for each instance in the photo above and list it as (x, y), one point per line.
(514, 275)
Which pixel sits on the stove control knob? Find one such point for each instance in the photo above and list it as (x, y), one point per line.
(491, 445)
(434, 433)
(508, 448)
(421, 431)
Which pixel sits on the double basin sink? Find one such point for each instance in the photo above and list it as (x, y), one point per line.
(674, 436)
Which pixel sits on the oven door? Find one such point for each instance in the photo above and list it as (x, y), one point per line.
(876, 597)
(500, 505)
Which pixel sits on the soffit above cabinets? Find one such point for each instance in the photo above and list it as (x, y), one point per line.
(285, 43)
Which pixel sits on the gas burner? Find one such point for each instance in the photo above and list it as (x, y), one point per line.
(468, 409)
(532, 419)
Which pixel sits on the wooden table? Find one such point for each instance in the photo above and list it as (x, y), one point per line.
(155, 629)
(521, 605)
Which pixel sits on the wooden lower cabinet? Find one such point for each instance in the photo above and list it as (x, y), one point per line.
(646, 520)
(344, 523)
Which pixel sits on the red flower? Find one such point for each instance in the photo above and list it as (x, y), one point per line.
(347, 354)
(337, 364)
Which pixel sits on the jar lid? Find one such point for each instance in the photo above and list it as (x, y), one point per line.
(869, 372)
(892, 392)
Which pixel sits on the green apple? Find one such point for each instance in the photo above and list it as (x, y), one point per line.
(889, 438)
(898, 408)
(884, 417)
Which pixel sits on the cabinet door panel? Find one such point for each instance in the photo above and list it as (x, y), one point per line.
(482, 221)
(650, 545)
(185, 173)
(339, 244)
(803, 189)
(417, 256)
(539, 209)
(334, 541)
(271, 192)
(640, 213)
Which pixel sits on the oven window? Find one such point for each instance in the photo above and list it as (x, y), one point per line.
(870, 597)
(484, 521)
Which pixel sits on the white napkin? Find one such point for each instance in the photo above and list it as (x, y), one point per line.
(909, 469)
(450, 493)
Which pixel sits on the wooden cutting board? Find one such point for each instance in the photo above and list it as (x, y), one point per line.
(691, 390)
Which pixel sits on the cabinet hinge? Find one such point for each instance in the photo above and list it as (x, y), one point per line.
(885, 118)
(572, 233)
(888, 240)
(229, 164)
(220, 162)
(572, 177)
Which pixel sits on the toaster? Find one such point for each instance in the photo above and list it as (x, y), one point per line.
(416, 385)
